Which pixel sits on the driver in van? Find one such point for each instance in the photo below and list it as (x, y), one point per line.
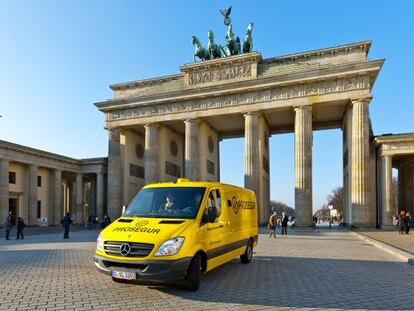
(169, 203)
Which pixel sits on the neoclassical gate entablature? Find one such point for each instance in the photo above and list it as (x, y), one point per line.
(246, 83)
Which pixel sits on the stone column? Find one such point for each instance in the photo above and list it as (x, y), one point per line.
(57, 197)
(303, 165)
(251, 152)
(4, 190)
(408, 186)
(360, 164)
(191, 150)
(114, 174)
(99, 196)
(32, 195)
(78, 198)
(386, 191)
(151, 157)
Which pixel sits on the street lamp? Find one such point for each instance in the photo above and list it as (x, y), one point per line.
(330, 215)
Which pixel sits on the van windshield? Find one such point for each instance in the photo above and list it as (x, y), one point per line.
(177, 202)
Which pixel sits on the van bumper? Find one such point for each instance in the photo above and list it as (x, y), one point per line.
(155, 270)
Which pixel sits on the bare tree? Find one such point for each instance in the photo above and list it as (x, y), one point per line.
(336, 199)
(280, 207)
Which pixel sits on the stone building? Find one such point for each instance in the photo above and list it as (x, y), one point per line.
(36, 184)
(394, 151)
(247, 96)
(164, 128)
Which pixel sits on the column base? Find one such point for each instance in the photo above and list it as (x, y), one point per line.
(363, 226)
(303, 225)
(388, 227)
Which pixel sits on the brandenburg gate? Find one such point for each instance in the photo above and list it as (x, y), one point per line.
(164, 128)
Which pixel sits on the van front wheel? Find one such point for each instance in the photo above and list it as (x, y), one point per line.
(194, 273)
(248, 254)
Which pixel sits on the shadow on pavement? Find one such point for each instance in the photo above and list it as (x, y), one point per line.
(304, 283)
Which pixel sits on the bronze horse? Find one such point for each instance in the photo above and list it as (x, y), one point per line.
(199, 51)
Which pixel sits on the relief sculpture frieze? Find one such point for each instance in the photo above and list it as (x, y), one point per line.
(220, 74)
(274, 94)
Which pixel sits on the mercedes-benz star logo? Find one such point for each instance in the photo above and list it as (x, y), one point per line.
(125, 249)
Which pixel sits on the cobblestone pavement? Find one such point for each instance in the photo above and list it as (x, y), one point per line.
(43, 230)
(306, 270)
(404, 242)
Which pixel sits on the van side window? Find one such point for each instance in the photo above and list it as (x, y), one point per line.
(218, 202)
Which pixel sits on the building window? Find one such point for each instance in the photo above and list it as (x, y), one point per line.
(210, 167)
(39, 181)
(136, 171)
(172, 169)
(39, 209)
(12, 177)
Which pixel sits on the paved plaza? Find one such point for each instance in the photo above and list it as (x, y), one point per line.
(404, 242)
(305, 270)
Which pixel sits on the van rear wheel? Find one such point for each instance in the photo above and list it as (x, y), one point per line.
(194, 273)
(248, 254)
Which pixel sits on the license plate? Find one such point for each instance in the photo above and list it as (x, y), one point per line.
(124, 275)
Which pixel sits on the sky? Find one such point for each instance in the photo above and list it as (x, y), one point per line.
(58, 57)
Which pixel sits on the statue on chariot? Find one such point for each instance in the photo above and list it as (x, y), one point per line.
(233, 45)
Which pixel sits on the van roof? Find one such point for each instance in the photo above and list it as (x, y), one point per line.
(183, 182)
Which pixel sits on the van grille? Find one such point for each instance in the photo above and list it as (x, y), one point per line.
(136, 249)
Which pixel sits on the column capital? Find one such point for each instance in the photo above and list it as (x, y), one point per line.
(303, 107)
(252, 113)
(363, 100)
(194, 120)
(149, 125)
(114, 129)
(386, 156)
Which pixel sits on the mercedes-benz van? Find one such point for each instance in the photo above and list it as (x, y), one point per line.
(179, 230)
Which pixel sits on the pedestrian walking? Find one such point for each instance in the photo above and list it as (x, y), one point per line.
(106, 221)
(284, 222)
(8, 224)
(407, 222)
(20, 227)
(315, 220)
(66, 222)
(272, 224)
(401, 221)
(90, 222)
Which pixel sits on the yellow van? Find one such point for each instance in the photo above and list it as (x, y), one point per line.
(179, 230)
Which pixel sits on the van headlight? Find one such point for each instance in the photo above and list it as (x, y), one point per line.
(100, 243)
(170, 247)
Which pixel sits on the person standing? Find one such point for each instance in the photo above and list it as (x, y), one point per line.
(284, 222)
(20, 227)
(401, 221)
(8, 225)
(273, 224)
(66, 222)
(407, 222)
